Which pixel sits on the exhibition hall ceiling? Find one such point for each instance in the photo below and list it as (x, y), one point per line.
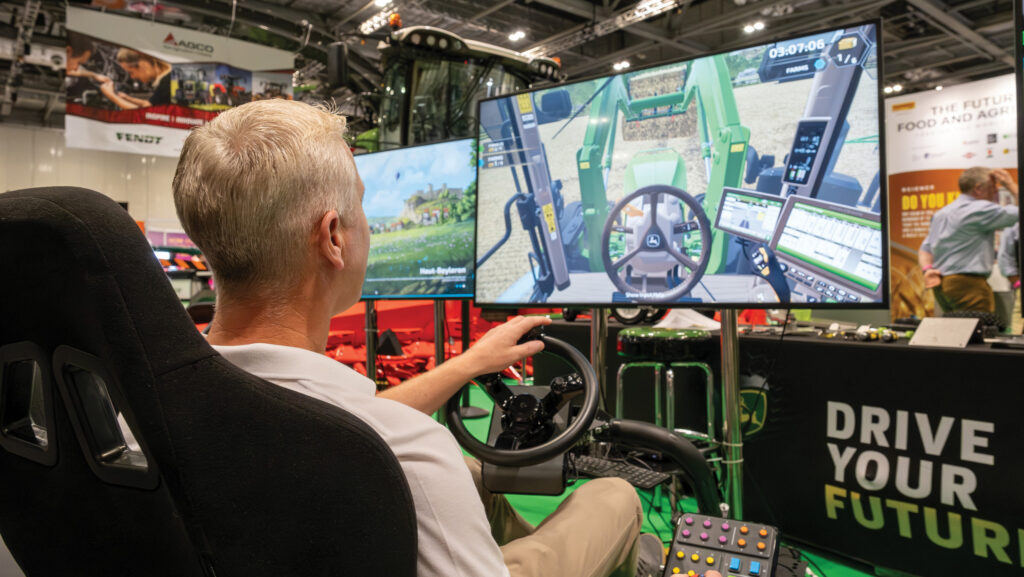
(927, 43)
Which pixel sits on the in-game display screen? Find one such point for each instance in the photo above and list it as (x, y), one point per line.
(420, 203)
(746, 179)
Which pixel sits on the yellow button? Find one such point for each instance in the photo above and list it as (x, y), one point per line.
(710, 560)
(763, 532)
(760, 546)
(680, 554)
(675, 569)
(695, 557)
(742, 542)
(691, 573)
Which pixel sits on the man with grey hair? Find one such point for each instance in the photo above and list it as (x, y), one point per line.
(269, 191)
(959, 251)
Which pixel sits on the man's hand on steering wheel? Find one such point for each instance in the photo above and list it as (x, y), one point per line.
(500, 347)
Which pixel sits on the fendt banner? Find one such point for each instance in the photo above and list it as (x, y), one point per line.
(138, 86)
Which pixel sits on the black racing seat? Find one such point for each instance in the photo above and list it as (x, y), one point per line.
(128, 446)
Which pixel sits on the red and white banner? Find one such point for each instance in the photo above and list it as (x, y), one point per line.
(139, 86)
(930, 138)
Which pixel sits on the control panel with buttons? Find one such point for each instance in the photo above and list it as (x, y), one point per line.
(733, 548)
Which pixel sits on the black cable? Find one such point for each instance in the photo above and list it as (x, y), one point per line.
(703, 286)
(650, 506)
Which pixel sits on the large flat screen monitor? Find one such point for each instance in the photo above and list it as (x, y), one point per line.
(420, 204)
(686, 184)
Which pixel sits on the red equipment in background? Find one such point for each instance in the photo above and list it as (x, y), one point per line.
(413, 325)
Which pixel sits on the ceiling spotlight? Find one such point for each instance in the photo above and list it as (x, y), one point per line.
(517, 36)
(759, 25)
(376, 21)
(621, 65)
(381, 3)
(897, 87)
(939, 87)
(749, 28)
(887, 90)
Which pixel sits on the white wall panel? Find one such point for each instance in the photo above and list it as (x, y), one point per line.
(18, 160)
(31, 157)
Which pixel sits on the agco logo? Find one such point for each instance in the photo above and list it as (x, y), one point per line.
(187, 45)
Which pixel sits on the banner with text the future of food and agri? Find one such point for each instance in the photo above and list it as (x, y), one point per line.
(931, 137)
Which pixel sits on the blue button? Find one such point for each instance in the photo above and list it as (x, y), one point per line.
(755, 568)
(734, 565)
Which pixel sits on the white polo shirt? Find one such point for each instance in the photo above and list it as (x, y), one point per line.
(454, 535)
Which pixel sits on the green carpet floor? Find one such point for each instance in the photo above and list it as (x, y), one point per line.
(657, 511)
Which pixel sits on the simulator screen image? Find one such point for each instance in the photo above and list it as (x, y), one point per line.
(743, 179)
(420, 205)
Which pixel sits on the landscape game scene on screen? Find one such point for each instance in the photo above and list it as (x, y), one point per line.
(747, 178)
(420, 205)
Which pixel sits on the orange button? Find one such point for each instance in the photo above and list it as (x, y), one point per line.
(680, 554)
(742, 542)
(695, 558)
(760, 546)
(763, 532)
(710, 560)
(744, 530)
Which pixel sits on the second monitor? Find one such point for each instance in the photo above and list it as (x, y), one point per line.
(420, 203)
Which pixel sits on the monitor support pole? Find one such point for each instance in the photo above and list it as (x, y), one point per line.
(598, 339)
(468, 411)
(732, 434)
(439, 357)
(371, 340)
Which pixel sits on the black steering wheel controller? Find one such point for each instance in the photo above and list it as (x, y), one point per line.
(527, 421)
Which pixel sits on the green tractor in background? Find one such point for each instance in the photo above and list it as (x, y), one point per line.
(433, 80)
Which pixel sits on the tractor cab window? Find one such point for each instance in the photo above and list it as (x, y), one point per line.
(392, 106)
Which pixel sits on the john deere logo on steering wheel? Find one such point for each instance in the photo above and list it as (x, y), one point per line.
(653, 240)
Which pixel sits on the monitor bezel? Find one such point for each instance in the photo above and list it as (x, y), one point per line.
(885, 296)
(1018, 67)
(791, 203)
(471, 281)
(756, 194)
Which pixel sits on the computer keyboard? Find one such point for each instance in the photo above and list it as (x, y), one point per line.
(636, 476)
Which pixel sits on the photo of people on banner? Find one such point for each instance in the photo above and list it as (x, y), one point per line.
(103, 75)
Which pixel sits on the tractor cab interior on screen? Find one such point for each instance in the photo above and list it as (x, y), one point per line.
(748, 178)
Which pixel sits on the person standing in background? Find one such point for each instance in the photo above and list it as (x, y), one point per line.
(958, 254)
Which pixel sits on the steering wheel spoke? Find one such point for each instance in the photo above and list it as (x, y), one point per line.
(622, 261)
(683, 259)
(495, 388)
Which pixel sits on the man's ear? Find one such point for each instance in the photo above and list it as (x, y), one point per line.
(329, 239)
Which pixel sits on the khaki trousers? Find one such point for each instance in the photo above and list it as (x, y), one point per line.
(593, 532)
(964, 292)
